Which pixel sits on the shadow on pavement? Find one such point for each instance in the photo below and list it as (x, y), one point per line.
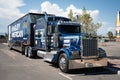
(92, 71)
(89, 71)
(114, 57)
(34, 57)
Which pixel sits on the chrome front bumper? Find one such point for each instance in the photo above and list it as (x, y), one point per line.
(87, 63)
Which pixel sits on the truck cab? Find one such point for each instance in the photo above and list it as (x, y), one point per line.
(59, 40)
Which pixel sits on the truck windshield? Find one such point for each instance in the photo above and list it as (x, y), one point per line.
(68, 29)
(58, 19)
(34, 17)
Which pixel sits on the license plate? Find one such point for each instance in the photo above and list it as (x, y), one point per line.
(88, 65)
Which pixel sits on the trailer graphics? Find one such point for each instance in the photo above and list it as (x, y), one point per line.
(58, 40)
(21, 32)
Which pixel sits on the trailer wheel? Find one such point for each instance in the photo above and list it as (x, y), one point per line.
(23, 50)
(63, 63)
(26, 51)
(10, 48)
(30, 55)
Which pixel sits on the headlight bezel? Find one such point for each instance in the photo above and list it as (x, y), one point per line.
(75, 54)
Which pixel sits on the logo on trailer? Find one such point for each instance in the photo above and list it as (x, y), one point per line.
(16, 31)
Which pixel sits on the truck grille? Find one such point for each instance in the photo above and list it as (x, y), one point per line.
(89, 47)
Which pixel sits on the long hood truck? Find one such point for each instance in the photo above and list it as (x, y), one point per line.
(59, 40)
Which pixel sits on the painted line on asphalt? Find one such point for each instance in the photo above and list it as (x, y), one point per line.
(118, 72)
(29, 59)
(5, 43)
(71, 75)
(65, 76)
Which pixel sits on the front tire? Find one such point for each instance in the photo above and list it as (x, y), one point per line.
(63, 63)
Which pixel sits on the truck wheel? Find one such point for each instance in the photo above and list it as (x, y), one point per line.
(63, 63)
(23, 50)
(30, 55)
(10, 47)
(26, 51)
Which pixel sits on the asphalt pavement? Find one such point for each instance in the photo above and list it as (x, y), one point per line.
(113, 52)
(15, 66)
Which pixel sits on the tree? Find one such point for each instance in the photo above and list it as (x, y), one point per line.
(70, 15)
(88, 26)
(93, 27)
(110, 35)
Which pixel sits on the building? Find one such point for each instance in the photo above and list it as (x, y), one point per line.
(118, 26)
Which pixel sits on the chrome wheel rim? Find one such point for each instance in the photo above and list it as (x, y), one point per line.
(62, 63)
(29, 52)
(26, 51)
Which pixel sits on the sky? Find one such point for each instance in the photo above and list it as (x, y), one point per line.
(103, 11)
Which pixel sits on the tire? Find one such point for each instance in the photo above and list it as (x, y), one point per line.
(63, 63)
(30, 55)
(26, 51)
(10, 48)
(23, 50)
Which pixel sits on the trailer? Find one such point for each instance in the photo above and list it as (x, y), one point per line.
(21, 32)
(58, 40)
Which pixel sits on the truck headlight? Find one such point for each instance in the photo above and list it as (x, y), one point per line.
(75, 54)
(66, 41)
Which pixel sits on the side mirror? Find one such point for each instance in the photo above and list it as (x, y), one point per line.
(39, 34)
